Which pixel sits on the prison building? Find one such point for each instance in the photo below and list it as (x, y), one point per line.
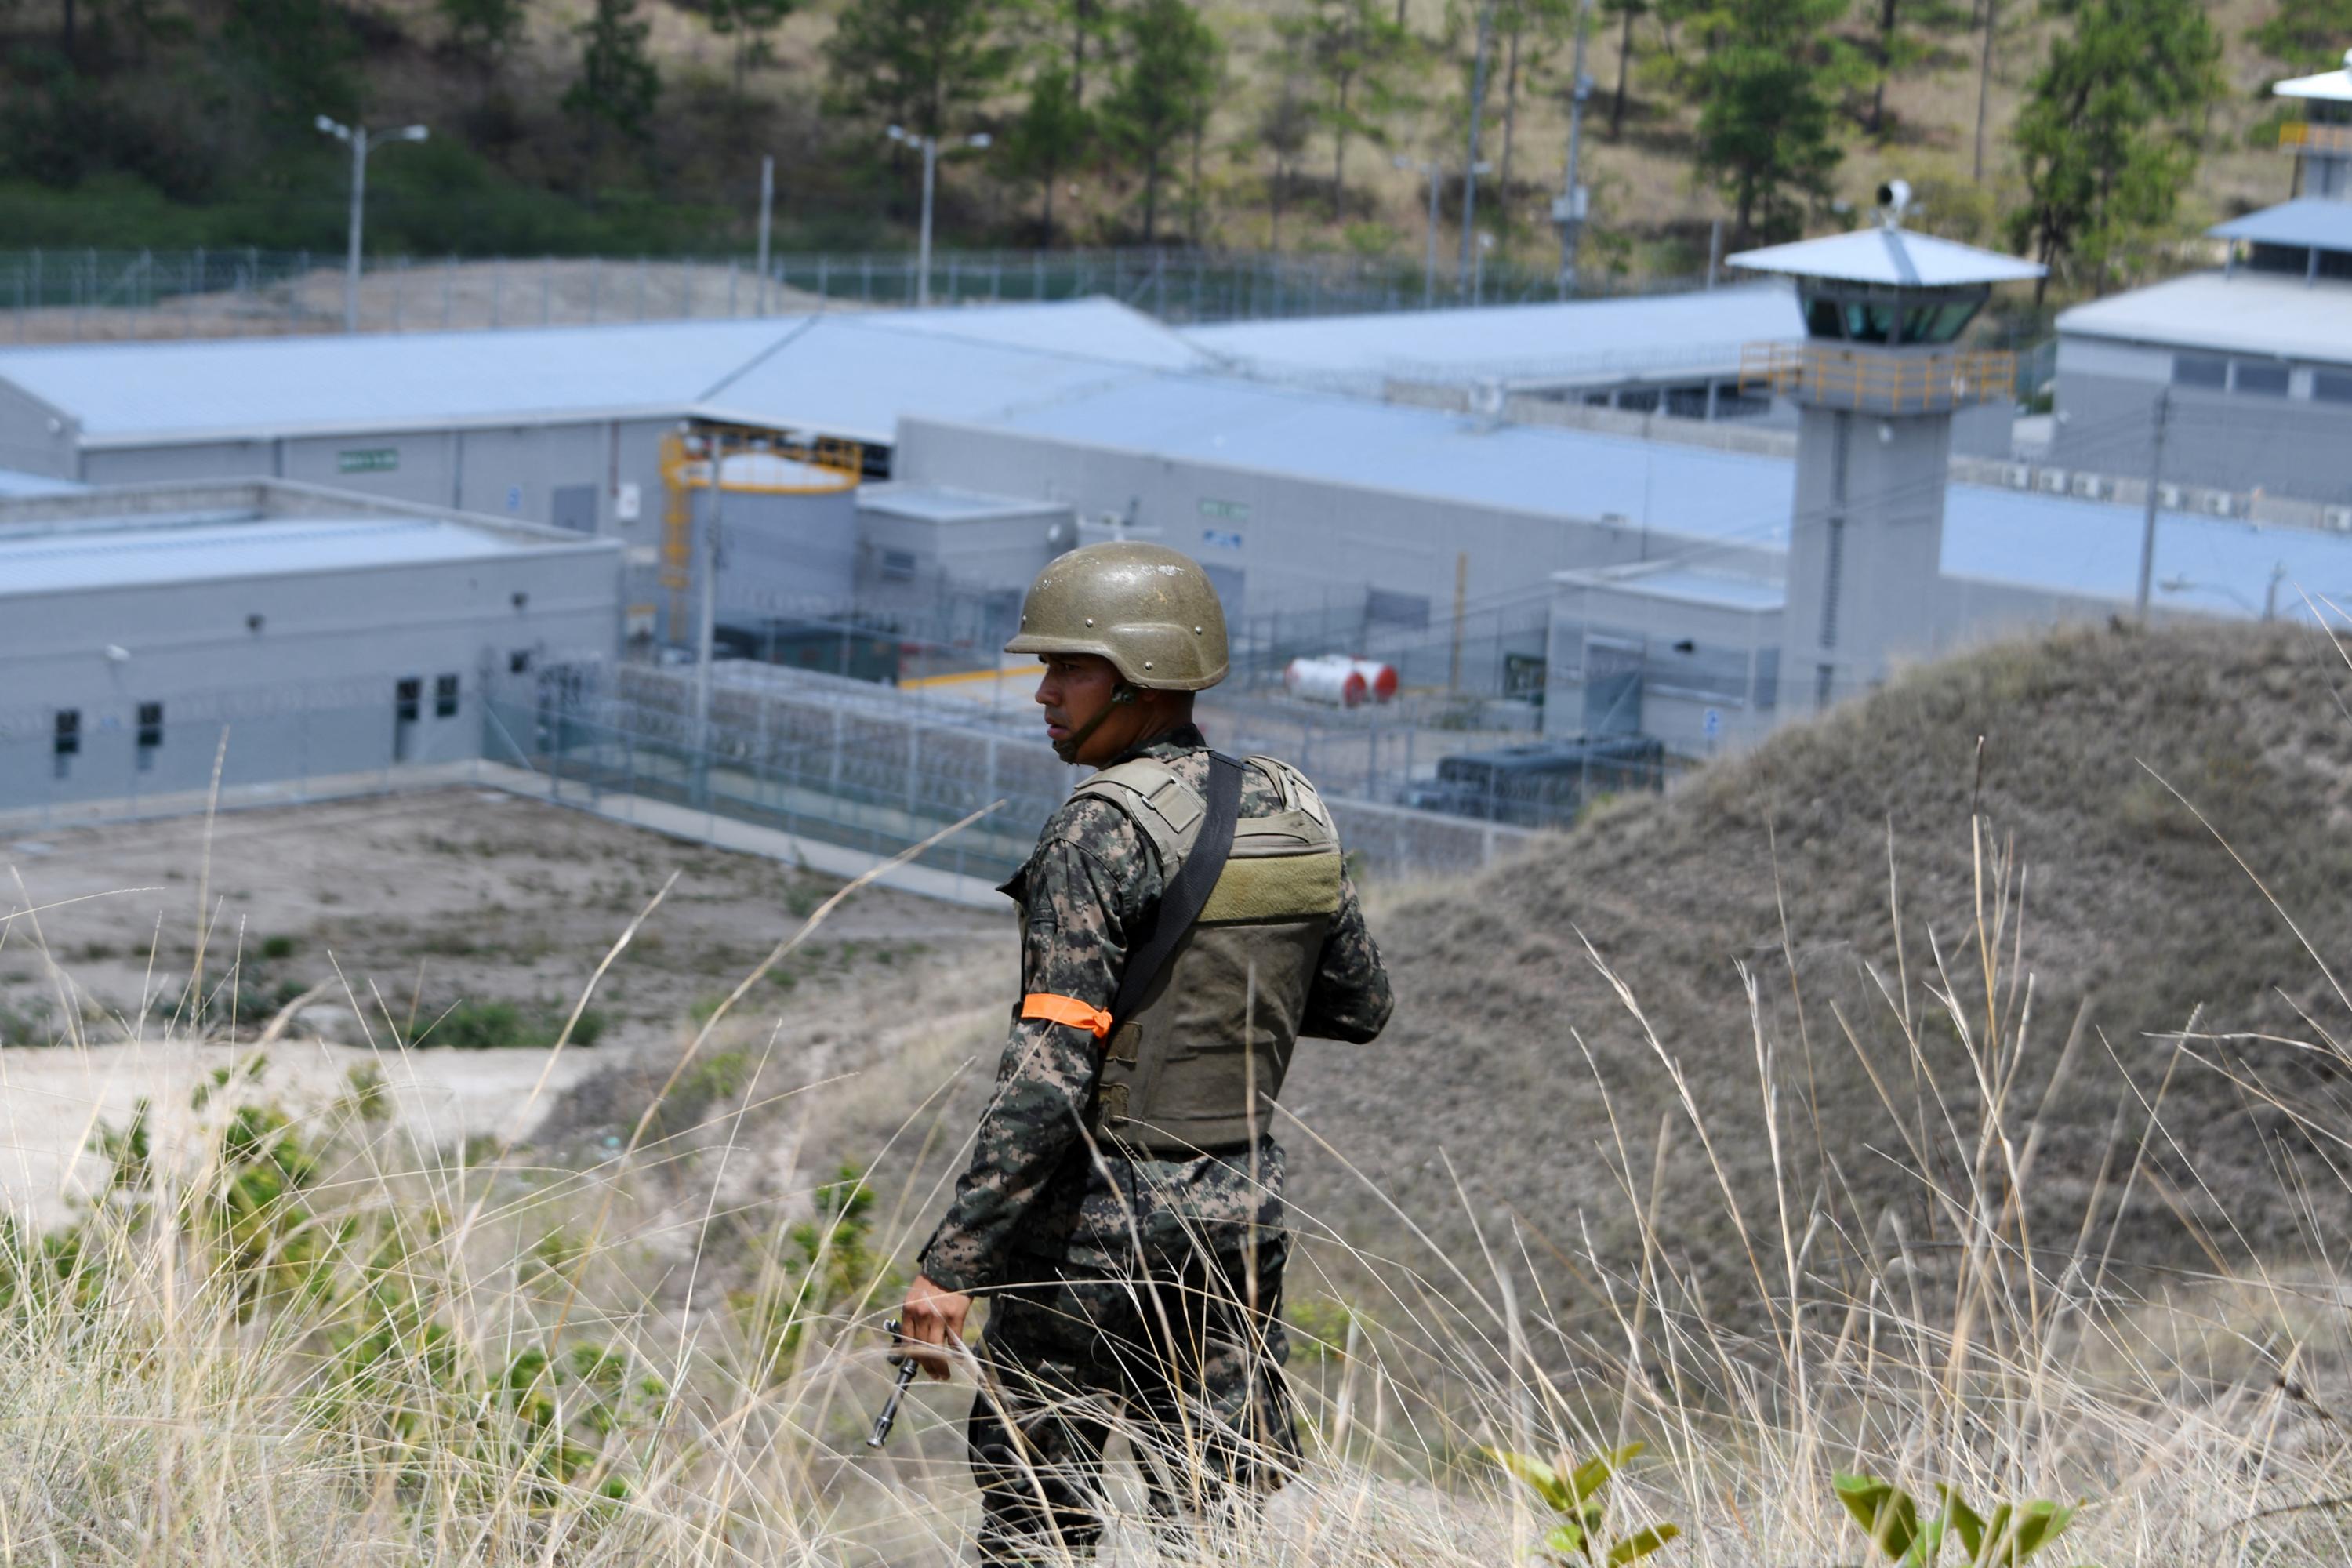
(2246, 368)
(1433, 540)
(323, 633)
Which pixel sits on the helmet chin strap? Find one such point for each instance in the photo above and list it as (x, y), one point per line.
(1066, 748)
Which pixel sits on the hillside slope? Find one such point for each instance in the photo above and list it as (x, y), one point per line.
(2126, 912)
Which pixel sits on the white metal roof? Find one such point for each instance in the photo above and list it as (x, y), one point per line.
(2318, 222)
(1890, 256)
(2250, 312)
(1750, 595)
(1572, 340)
(785, 370)
(195, 549)
(1686, 500)
(13, 483)
(2335, 84)
(943, 503)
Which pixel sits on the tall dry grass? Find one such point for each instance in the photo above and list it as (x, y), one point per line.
(318, 1338)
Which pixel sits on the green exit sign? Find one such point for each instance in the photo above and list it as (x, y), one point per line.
(1230, 511)
(367, 460)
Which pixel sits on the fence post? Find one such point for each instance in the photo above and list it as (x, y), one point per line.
(641, 288)
(824, 286)
(546, 290)
(448, 288)
(731, 265)
(595, 286)
(497, 290)
(866, 271)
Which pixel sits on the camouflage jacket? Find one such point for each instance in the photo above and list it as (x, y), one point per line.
(1034, 1192)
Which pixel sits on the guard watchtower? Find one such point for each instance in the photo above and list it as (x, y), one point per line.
(2321, 139)
(1876, 381)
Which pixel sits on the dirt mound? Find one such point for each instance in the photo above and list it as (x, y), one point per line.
(2130, 916)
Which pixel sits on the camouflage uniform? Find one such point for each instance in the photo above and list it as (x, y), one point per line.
(1125, 1288)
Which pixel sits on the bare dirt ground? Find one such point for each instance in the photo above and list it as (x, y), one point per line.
(420, 915)
(452, 296)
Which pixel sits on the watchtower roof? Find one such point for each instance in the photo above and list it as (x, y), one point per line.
(1889, 256)
(2335, 87)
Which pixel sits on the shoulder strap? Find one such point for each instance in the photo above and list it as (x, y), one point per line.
(1188, 889)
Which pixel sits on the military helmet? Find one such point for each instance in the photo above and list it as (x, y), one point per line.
(1147, 608)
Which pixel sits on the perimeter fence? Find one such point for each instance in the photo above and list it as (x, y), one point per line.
(54, 295)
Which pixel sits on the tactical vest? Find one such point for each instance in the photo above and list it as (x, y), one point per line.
(1221, 1019)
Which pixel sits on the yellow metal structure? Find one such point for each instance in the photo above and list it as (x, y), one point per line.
(1878, 381)
(686, 467)
(2303, 136)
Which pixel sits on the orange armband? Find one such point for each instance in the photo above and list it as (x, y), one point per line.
(1065, 1010)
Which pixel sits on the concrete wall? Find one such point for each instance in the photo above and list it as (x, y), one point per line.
(310, 692)
(518, 471)
(1277, 543)
(2240, 441)
(923, 566)
(1865, 550)
(34, 437)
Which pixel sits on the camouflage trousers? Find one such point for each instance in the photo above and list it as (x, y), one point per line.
(1177, 1358)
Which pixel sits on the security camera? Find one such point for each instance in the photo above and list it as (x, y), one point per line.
(1893, 201)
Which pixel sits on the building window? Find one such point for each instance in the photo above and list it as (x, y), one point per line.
(898, 566)
(407, 697)
(2331, 385)
(445, 696)
(1824, 684)
(151, 733)
(2259, 379)
(68, 743)
(518, 662)
(2201, 370)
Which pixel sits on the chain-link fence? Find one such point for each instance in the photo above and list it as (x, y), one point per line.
(54, 296)
(845, 762)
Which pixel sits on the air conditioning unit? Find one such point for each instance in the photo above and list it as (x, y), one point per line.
(2169, 497)
(2019, 477)
(2091, 486)
(2336, 518)
(2220, 503)
(2054, 481)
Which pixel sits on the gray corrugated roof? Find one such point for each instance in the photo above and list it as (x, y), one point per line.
(1891, 255)
(2307, 221)
(51, 561)
(1571, 341)
(785, 370)
(2250, 312)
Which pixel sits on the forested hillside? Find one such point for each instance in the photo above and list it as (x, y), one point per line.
(2099, 132)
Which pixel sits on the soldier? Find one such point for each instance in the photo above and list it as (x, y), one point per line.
(1185, 918)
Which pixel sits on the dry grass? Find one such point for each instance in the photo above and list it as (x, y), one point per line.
(345, 1372)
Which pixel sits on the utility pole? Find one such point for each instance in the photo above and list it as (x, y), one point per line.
(1470, 164)
(706, 633)
(2155, 475)
(767, 209)
(1568, 210)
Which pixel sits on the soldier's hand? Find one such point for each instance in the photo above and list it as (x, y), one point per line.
(931, 1322)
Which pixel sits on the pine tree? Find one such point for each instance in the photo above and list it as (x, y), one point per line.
(2311, 33)
(483, 29)
(1163, 91)
(1356, 51)
(618, 85)
(2108, 137)
(1049, 137)
(1627, 13)
(1284, 126)
(750, 25)
(1767, 75)
(915, 62)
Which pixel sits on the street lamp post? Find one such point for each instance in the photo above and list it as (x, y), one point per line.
(930, 146)
(360, 139)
